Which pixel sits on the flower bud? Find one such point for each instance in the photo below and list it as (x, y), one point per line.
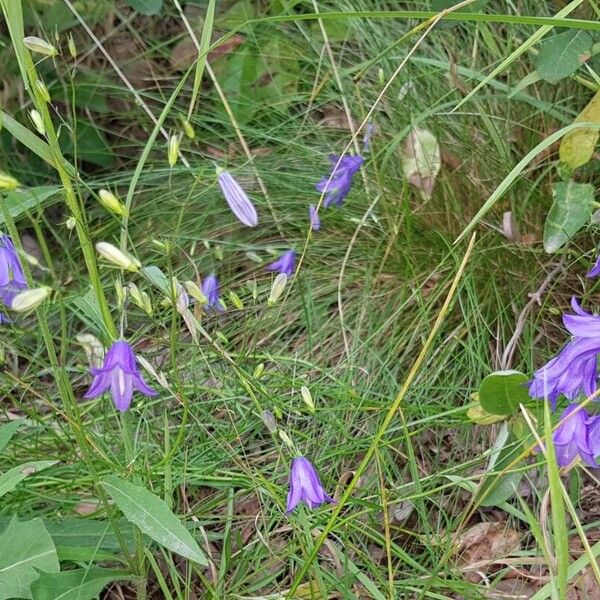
(286, 439)
(277, 289)
(140, 299)
(254, 257)
(111, 203)
(260, 369)
(308, 399)
(37, 120)
(42, 90)
(269, 420)
(30, 299)
(236, 300)
(381, 76)
(173, 150)
(121, 294)
(117, 257)
(72, 46)
(36, 44)
(188, 129)
(8, 182)
(195, 292)
(71, 223)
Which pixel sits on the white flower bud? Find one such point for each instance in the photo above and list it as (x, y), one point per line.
(37, 121)
(36, 44)
(173, 150)
(117, 257)
(111, 203)
(8, 182)
(30, 299)
(277, 289)
(286, 439)
(308, 399)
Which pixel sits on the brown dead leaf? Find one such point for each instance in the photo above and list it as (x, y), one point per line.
(513, 589)
(484, 544)
(333, 117)
(185, 53)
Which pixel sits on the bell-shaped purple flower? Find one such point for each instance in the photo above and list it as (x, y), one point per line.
(572, 437)
(337, 184)
(286, 263)
(305, 486)
(239, 203)
(121, 374)
(595, 270)
(313, 215)
(574, 369)
(12, 278)
(211, 290)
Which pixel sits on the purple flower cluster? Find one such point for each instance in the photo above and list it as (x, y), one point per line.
(336, 186)
(12, 278)
(573, 372)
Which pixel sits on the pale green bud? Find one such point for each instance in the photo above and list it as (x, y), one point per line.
(173, 150)
(188, 129)
(42, 90)
(236, 300)
(140, 299)
(72, 46)
(71, 223)
(254, 257)
(37, 121)
(286, 439)
(277, 288)
(269, 420)
(308, 399)
(162, 246)
(218, 252)
(8, 182)
(117, 257)
(120, 293)
(381, 76)
(30, 299)
(195, 292)
(36, 44)
(111, 203)
(260, 369)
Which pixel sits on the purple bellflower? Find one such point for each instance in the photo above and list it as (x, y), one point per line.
(12, 278)
(286, 263)
(210, 289)
(313, 215)
(305, 486)
(121, 374)
(239, 203)
(572, 437)
(337, 184)
(574, 369)
(595, 270)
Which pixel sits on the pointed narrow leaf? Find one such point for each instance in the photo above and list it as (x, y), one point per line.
(26, 548)
(7, 431)
(78, 584)
(572, 209)
(577, 147)
(154, 518)
(12, 477)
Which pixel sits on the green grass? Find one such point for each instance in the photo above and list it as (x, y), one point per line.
(350, 326)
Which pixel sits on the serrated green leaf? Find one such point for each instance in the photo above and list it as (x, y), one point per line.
(562, 54)
(146, 7)
(154, 518)
(577, 147)
(12, 477)
(7, 431)
(500, 393)
(79, 584)
(571, 210)
(26, 548)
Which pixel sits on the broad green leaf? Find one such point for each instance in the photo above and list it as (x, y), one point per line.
(90, 146)
(26, 548)
(7, 431)
(421, 160)
(79, 584)
(571, 210)
(12, 477)
(562, 54)
(154, 518)
(146, 7)
(87, 309)
(577, 147)
(500, 393)
(23, 199)
(158, 278)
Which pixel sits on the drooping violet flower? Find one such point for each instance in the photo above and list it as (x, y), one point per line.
(121, 374)
(305, 486)
(337, 184)
(285, 264)
(239, 203)
(211, 291)
(12, 278)
(313, 215)
(572, 437)
(574, 369)
(595, 270)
